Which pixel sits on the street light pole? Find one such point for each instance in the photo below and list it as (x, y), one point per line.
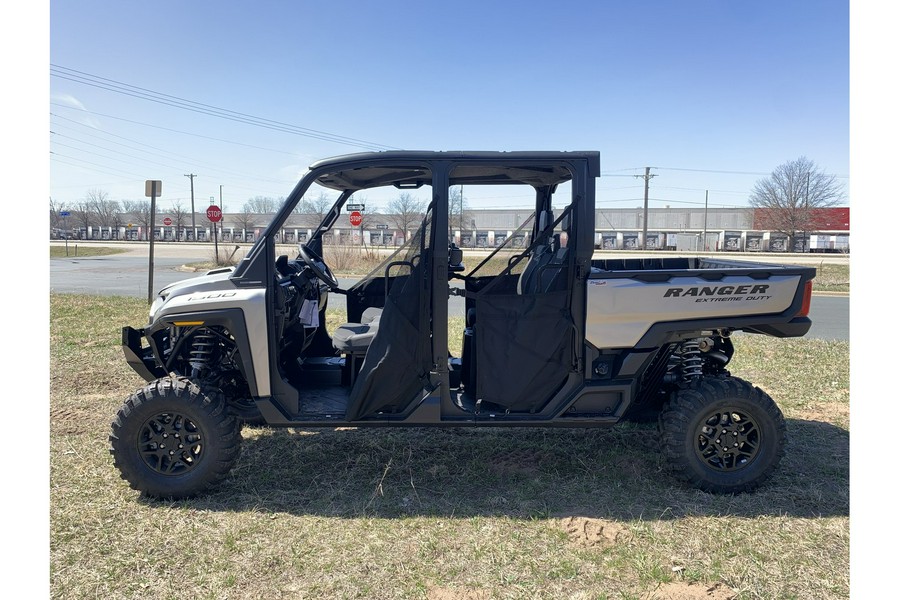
(216, 225)
(705, 214)
(193, 216)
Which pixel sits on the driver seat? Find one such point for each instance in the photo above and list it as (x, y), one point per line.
(353, 340)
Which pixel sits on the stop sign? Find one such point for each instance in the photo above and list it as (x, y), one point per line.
(167, 221)
(356, 218)
(213, 213)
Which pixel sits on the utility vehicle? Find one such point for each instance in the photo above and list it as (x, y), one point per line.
(553, 337)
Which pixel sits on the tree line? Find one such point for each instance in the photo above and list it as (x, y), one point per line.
(789, 196)
(97, 209)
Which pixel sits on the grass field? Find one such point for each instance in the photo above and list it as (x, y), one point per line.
(82, 251)
(832, 278)
(445, 514)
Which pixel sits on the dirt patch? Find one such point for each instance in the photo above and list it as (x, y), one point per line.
(594, 533)
(72, 420)
(439, 593)
(680, 590)
(518, 462)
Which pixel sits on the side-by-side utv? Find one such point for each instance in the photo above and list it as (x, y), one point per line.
(552, 336)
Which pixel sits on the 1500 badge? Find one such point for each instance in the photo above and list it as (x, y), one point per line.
(211, 296)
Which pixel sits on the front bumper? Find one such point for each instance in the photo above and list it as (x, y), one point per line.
(139, 357)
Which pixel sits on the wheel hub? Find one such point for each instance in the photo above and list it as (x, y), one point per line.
(727, 441)
(170, 444)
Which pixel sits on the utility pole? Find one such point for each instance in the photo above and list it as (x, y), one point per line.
(216, 225)
(193, 218)
(805, 217)
(646, 177)
(705, 214)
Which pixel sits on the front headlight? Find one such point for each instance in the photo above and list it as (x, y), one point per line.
(154, 308)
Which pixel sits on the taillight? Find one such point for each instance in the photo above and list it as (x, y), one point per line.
(807, 298)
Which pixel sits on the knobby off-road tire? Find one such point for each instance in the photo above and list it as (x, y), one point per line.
(170, 440)
(723, 435)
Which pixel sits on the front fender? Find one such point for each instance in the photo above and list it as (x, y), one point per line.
(231, 319)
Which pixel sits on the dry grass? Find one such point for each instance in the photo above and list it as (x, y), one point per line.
(440, 513)
(352, 260)
(73, 250)
(832, 278)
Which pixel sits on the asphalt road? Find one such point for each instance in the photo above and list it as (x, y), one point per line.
(127, 275)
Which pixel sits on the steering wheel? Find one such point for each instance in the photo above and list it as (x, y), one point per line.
(318, 266)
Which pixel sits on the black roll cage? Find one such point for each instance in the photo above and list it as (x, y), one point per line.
(544, 171)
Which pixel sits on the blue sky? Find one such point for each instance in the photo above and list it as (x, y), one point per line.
(713, 94)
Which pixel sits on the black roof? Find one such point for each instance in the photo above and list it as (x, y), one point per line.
(405, 168)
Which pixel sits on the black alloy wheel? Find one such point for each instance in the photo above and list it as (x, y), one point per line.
(170, 440)
(722, 435)
(727, 440)
(170, 443)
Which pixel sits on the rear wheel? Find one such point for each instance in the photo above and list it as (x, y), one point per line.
(170, 440)
(723, 435)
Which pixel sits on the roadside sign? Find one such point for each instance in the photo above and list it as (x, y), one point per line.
(214, 214)
(356, 218)
(357, 207)
(167, 221)
(153, 188)
(381, 226)
(64, 213)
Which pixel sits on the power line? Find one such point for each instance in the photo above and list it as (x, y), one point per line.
(756, 173)
(713, 171)
(152, 162)
(668, 187)
(166, 156)
(57, 155)
(206, 109)
(205, 137)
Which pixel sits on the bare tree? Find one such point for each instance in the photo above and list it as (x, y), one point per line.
(404, 212)
(314, 209)
(245, 220)
(789, 195)
(460, 217)
(262, 205)
(107, 212)
(139, 212)
(83, 214)
(180, 216)
(56, 220)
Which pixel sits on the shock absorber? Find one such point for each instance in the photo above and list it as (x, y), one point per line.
(202, 346)
(691, 363)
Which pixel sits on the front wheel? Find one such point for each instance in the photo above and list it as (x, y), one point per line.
(246, 411)
(170, 440)
(723, 435)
